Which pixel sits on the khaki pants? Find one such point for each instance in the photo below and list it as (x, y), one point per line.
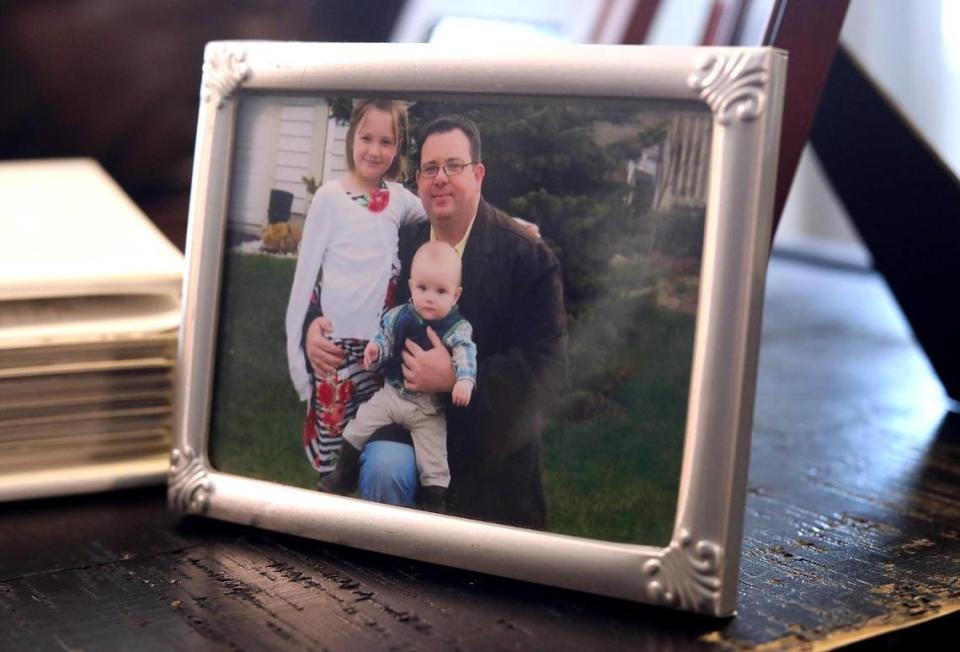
(418, 414)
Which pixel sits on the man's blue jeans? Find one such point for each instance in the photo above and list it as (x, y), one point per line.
(388, 473)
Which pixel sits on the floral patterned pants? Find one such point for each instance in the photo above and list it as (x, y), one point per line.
(333, 404)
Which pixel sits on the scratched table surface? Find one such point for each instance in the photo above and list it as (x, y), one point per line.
(852, 532)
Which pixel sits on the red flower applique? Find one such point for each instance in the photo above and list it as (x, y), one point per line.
(379, 199)
(344, 391)
(333, 396)
(325, 393)
(309, 427)
(331, 419)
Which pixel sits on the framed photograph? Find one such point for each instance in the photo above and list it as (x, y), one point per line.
(496, 311)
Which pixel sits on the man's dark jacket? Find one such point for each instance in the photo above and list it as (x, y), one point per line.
(513, 298)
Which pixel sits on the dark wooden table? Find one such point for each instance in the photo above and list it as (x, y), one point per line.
(852, 531)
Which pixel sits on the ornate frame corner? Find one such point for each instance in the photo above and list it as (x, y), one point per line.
(733, 85)
(686, 575)
(189, 487)
(225, 69)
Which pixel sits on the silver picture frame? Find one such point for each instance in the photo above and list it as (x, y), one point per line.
(741, 88)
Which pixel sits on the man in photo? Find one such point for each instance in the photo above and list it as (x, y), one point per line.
(513, 297)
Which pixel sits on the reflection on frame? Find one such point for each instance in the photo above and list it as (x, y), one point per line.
(578, 378)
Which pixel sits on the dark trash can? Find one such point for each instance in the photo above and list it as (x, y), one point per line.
(281, 202)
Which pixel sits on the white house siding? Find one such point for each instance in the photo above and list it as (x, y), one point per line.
(254, 159)
(685, 162)
(294, 146)
(279, 141)
(335, 156)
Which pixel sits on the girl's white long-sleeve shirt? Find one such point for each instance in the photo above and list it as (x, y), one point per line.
(356, 249)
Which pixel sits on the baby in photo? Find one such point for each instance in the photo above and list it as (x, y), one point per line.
(435, 288)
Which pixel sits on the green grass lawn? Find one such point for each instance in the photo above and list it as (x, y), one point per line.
(611, 472)
(615, 474)
(257, 419)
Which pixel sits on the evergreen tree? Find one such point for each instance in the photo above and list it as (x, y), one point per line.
(546, 164)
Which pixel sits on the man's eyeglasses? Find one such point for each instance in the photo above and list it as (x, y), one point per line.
(451, 168)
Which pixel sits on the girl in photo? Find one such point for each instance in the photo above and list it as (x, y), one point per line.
(347, 270)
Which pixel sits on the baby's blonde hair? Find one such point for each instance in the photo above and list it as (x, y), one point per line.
(438, 253)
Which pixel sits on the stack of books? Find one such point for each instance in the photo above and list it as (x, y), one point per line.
(89, 315)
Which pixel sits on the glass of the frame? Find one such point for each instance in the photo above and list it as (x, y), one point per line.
(616, 351)
(618, 190)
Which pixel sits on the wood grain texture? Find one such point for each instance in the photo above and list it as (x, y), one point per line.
(237, 588)
(852, 528)
(853, 513)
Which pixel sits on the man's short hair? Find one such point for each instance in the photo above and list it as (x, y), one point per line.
(454, 122)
